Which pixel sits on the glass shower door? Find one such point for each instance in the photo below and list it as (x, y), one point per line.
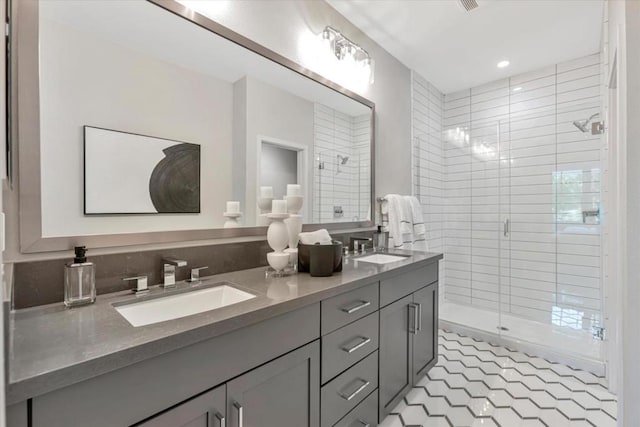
(487, 246)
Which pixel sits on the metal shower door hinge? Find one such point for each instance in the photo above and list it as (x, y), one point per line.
(599, 333)
(597, 128)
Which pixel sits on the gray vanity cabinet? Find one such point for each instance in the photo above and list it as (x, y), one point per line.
(395, 354)
(206, 410)
(408, 333)
(425, 337)
(283, 392)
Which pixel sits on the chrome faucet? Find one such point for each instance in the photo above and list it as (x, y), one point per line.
(361, 242)
(169, 271)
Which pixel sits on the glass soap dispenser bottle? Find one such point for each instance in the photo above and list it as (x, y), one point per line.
(79, 280)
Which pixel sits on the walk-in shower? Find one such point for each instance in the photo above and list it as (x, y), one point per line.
(511, 187)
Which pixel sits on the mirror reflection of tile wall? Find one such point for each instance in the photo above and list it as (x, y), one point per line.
(341, 184)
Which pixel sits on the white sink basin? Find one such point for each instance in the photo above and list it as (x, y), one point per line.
(180, 305)
(381, 258)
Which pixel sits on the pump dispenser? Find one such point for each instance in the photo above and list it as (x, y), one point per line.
(79, 280)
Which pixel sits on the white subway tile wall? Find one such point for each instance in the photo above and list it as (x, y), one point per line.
(509, 150)
(428, 160)
(334, 183)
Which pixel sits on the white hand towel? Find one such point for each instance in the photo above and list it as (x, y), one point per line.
(400, 221)
(419, 229)
(321, 236)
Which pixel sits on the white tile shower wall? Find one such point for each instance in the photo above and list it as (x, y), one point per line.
(337, 184)
(510, 150)
(428, 161)
(361, 137)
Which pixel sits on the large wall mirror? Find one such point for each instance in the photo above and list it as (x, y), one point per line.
(138, 121)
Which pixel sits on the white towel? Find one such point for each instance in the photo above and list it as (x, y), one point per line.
(419, 242)
(400, 221)
(321, 236)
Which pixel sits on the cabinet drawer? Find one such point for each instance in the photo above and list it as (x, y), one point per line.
(396, 287)
(347, 307)
(348, 389)
(363, 415)
(348, 345)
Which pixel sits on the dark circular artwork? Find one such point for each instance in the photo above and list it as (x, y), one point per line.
(174, 185)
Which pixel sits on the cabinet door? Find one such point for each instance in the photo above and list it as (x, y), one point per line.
(283, 392)
(206, 410)
(395, 354)
(425, 340)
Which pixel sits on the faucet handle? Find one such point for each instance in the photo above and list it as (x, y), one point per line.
(141, 284)
(195, 274)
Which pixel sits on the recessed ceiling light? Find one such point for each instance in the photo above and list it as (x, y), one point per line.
(516, 89)
(503, 64)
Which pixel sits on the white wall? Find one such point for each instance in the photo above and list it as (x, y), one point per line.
(623, 43)
(91, 81)
(428, 162)
(631, 294)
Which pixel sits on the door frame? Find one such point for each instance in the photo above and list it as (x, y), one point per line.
(613, 239)
(303, 168)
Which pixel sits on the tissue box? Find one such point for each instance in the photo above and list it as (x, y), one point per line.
(330, 257)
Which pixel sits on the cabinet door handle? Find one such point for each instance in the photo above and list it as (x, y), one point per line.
(506, 227)
(240, 410)
(357, 391)
(358, 306)
(363, 423)
(362, 343)
(221, 420)
(413, 318)
(419, 318)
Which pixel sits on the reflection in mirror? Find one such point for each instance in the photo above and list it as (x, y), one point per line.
(257, 123)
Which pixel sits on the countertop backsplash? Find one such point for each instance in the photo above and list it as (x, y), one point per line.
(41, 282)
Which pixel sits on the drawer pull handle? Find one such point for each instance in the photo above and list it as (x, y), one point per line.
(356, 392)
(221, 421)
(358, 306)
(361, 344)
(363, 423)
(240, 410)
(413, 318)
(419, 318)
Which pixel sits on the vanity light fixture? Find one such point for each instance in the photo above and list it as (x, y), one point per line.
(348, 52)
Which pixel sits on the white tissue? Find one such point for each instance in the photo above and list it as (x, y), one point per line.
(319, 236)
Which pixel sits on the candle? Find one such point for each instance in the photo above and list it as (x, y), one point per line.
(279, 206)
(233, 207)
(294, 190)
(266, 192)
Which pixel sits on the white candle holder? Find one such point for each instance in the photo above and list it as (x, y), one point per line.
(264, 204)
(278, 238)
(232, 219)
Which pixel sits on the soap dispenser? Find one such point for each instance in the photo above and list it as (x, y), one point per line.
(79, 280)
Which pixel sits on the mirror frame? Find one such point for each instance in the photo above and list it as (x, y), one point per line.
(26, 130)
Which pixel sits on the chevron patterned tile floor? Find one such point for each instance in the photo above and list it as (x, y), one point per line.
(480, 384)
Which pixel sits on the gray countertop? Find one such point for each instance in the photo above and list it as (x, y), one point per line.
(51, 347)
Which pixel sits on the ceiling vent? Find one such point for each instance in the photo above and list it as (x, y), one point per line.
(469, 5)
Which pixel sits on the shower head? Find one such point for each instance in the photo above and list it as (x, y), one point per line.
(583, 125)
(343, 159)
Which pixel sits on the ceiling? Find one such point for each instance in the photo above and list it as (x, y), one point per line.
(455, 49)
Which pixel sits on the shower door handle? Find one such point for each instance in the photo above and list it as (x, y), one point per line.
(506, 227)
